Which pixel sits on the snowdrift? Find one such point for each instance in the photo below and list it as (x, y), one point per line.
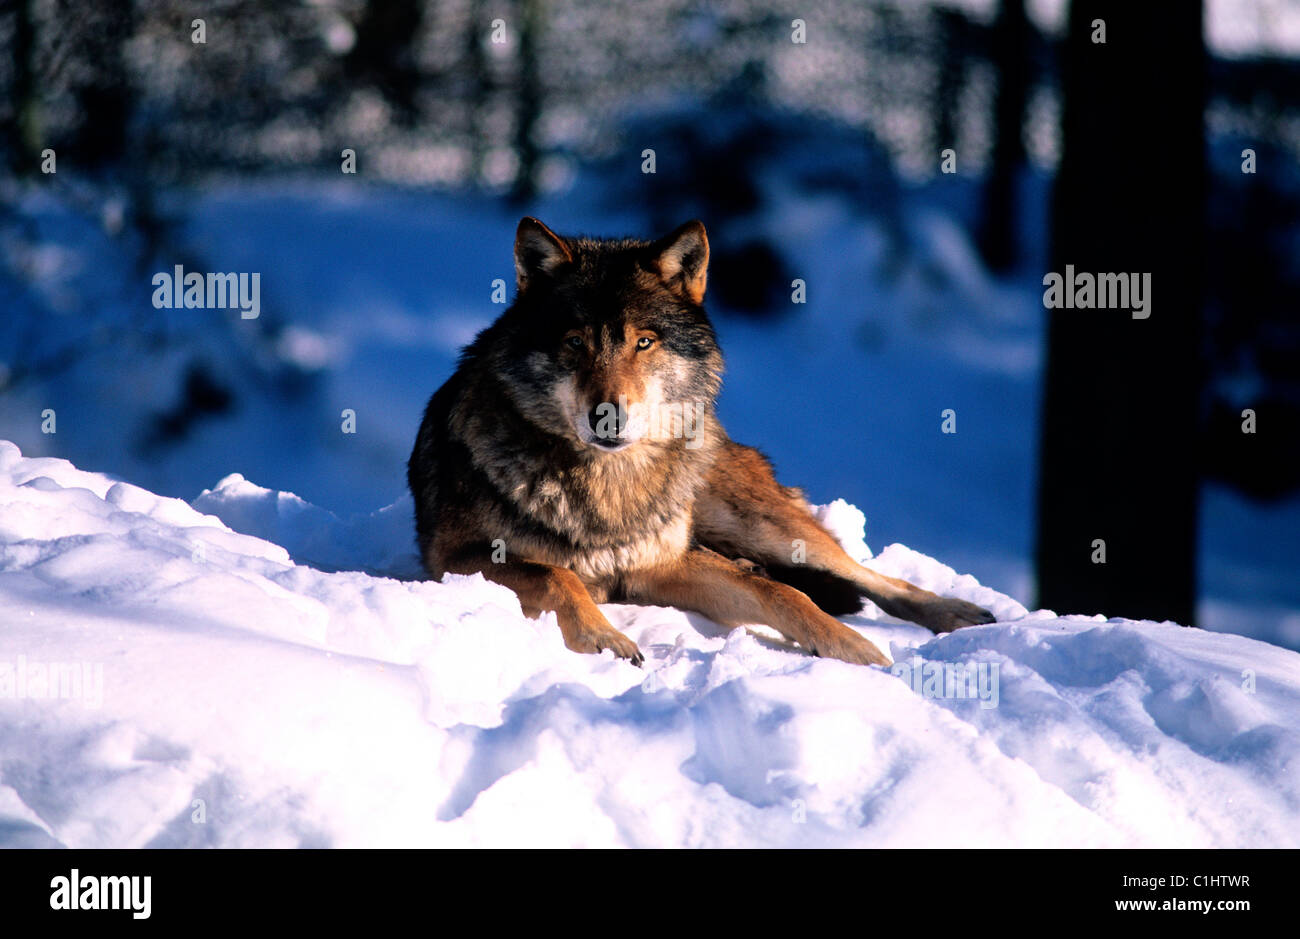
(250, 670)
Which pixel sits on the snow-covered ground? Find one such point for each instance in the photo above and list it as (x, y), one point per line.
(230, 676)
(255, 668)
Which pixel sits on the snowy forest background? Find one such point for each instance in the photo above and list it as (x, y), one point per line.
(818, 160)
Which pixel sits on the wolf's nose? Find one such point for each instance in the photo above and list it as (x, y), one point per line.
(606, 420)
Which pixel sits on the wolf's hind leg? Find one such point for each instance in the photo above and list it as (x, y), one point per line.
(708, 583)
(547, 587)
(896, 597)
(744, 511)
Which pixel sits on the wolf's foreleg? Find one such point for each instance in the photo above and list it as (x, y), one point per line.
(710, 584)
(547, 587)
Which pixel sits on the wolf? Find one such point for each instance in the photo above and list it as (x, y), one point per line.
(575, 457)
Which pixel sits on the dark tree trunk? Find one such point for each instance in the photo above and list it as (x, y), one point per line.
(999, 210)
(20, 129)
(953, 29)
(384, 53)
(479, 85)
(105, 98)
(528, 102)
(1118, 450)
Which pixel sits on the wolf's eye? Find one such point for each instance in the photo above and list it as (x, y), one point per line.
(645, 342)
(574, 341)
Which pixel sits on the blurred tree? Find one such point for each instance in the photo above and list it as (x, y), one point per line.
(1118, 449)
(20, 127)
(953, 29)
(996, 236)
(476, 96)
(1252, 326)
(528, 101)
(383, 53)
(102, 87)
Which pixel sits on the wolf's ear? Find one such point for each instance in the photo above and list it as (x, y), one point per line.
(538, 250)
(683, 259)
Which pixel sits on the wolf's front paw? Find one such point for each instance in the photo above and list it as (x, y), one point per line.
(595, 641)
(945, 614)
(848, 646)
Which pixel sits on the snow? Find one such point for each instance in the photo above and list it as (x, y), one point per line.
(258, 671)
(257, 668)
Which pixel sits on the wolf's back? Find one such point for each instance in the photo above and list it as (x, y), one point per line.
(433, 455)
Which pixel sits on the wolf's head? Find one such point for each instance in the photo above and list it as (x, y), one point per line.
(607, 343)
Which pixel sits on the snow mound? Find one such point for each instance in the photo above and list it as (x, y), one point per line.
(237, 672)
(381, 542)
